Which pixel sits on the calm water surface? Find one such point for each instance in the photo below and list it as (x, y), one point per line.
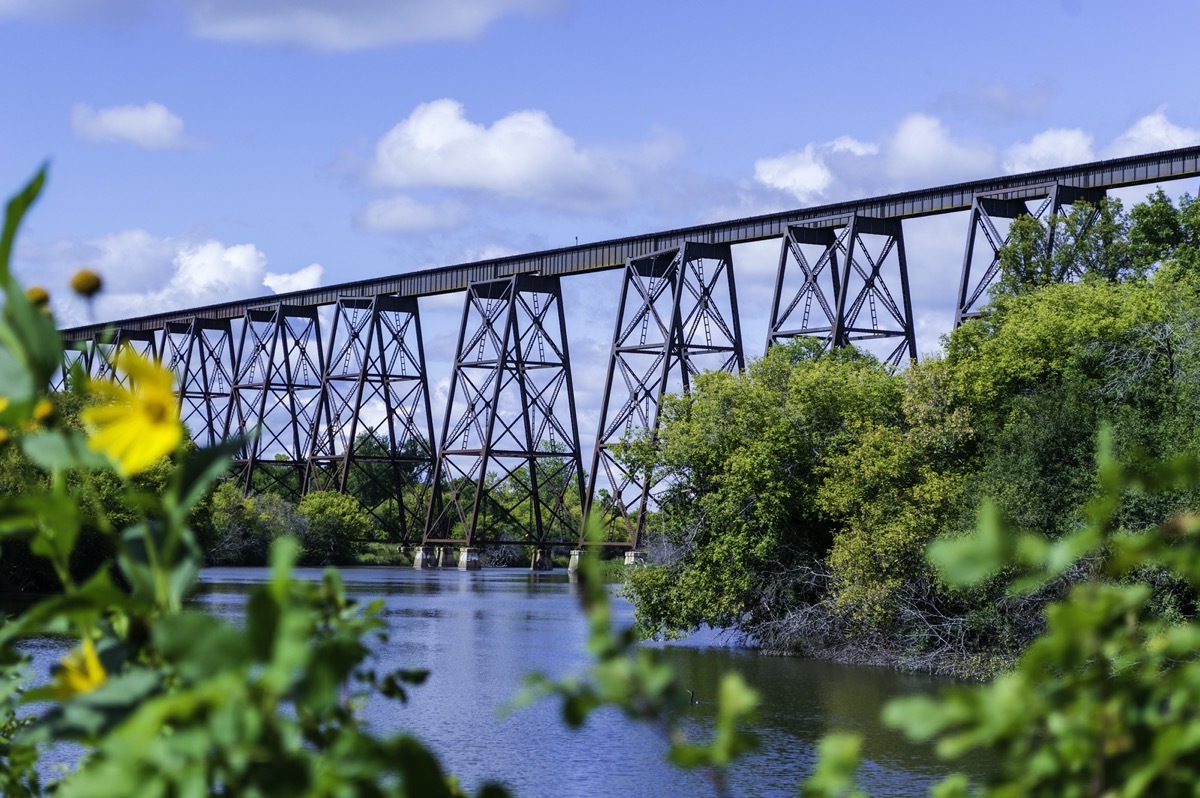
(480, 632)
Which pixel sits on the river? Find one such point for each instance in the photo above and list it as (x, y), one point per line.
(480, 632)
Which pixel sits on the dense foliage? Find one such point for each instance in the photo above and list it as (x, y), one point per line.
(804, 492)
(1103, 702)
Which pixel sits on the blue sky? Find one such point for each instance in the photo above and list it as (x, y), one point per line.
(204, 150)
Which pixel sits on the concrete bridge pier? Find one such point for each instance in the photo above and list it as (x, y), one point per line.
(468, 559)
(424, 557)
(541, 560)
(446, 557)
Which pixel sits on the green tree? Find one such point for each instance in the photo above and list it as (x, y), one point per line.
(744, 455)
(334, 526)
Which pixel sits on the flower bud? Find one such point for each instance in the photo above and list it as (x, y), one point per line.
(86, 283)
(37, 296)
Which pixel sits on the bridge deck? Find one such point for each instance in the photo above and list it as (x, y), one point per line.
(1115, 173)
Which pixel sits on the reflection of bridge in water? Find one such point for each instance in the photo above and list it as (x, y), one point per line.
(349, 409)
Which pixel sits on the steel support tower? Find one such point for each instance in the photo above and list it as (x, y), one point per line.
(986, 208)
(509, 459)
(677, 317)
(832, 276)
(275, 390)
(200, 352)
(373, 434)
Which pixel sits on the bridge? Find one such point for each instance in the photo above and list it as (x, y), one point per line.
(335, 380)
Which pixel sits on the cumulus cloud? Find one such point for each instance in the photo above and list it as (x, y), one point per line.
(403, 214)
(522, 156)
(151, 126)
(1048, 149)
(1152, 133)
(144, 273)
(805, 173)
(919, 151)
(300, 280)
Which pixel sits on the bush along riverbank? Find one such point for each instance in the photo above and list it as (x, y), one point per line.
(804, 492)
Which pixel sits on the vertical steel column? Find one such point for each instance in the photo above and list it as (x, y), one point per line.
(200, 351)
(678, 315)
(855, 259)
(509, 458)
(275, 390)
(985, 210)
(373, 434)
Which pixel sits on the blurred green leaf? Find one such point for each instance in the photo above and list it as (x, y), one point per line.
(57, 448)
(14, 213)
(973, 558)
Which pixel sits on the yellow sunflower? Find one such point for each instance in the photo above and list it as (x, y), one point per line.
(79, 672)
(137, 423)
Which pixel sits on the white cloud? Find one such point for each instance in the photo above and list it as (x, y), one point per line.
(1048, 149)
(1152, 133)
(299, 280)
(339, 25)
(805, 173)
(802, 173)
(210, 272)
(921, 150)
(144, 274)
(522, 156)
(151, 126)
(403, 214)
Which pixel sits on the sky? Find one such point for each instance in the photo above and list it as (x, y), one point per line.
(210, 150)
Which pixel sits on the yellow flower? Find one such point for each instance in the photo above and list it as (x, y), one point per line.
(134, 425)
(79, 672)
